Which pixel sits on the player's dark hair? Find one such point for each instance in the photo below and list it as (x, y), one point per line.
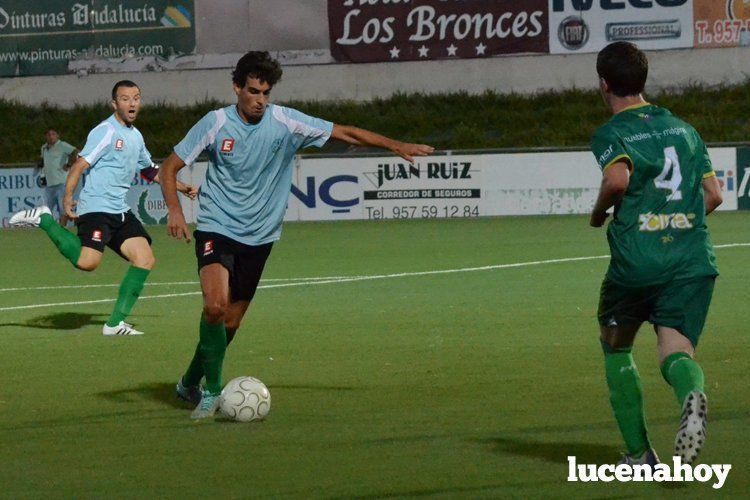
(258, 65)
(624, 67)
(50, 129)
(122, 83)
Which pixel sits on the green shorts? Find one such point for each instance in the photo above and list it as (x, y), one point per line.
(680, 304)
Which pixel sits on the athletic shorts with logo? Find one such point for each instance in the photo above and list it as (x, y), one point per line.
(98, 229)
(680, 304)
(245, 263)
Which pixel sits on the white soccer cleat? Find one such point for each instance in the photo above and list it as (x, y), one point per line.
(29, 218)
(692, 433)
(120, 330)
(207, 407)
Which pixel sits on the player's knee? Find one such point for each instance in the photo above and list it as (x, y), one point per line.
(147, 261)
(214, 312)
(87, 265)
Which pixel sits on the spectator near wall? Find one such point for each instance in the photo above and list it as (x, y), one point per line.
(56, 158)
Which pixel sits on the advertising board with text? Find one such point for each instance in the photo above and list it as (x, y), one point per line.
(577, 26)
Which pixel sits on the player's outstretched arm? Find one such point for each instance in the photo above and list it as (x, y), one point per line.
(361, 137)
(614, 184)
(186, 189)
(71, 182)
(176, 225)
(712, 193)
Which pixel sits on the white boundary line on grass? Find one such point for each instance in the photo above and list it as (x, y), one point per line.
(344, 279)
(164, 283)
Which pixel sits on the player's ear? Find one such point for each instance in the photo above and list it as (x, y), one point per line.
(114, 104)
(603, 85)
(237, 89)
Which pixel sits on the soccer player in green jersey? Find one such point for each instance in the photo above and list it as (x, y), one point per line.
(658, 177)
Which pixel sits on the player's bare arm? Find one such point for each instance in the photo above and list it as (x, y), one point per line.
(186, 189)
(712, 193)
(360, 137)
(176, 225)
(74, 175)
(615, 182)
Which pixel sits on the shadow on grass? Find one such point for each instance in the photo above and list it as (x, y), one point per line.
(309, 387)
(556, 452)
(159, 392)
(61, 321)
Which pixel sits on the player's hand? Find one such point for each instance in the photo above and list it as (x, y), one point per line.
(176, 226)
(597, 219)
(69, 205)
(408, 151)
(189, 191)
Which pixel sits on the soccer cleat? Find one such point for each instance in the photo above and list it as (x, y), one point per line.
(207, 407)
(121, 329)
(691, 436)
(649, 457)
(191, 394)
(29, 218)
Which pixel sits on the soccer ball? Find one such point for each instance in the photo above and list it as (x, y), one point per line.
(245, 399)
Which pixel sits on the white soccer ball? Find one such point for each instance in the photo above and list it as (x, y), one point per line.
(245, 399)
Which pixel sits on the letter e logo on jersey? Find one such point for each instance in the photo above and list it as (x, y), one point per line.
(227, 145)
(119, 143)
(208, 247)
(96, 236)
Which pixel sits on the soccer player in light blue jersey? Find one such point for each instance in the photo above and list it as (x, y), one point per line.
(251, 146)
(113, 154)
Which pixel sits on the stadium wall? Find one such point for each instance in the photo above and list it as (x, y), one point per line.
(446, 185)
(671, 69)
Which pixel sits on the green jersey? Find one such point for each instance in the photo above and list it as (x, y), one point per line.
(658, 232)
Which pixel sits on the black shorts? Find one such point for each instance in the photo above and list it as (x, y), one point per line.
(98, 229)
(245, 263)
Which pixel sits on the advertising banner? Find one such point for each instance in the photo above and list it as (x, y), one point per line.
(743, 178)
(384, 30)
(388, 188)
(721, 23)
(21, 189)
(590, 25)
(440, 186)
(40, 38)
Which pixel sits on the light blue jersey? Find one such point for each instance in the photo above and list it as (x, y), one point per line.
(115, 153)
(249, 177)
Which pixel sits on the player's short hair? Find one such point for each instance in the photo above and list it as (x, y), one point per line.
(624, 67)
(257, 64)
(122, 83)
(49, 129)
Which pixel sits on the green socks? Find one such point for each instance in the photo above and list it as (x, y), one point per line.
(66, 242)
(194, 373)
(626, 397)
(683, 374)
(130, 290)
(212, 346)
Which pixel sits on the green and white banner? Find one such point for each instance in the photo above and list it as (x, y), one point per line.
(41, 37)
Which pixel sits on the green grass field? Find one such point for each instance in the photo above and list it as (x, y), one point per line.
(469, 384)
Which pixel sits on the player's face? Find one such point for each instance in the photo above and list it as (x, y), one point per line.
(252, 99)
(127, 104)
(51, 137)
